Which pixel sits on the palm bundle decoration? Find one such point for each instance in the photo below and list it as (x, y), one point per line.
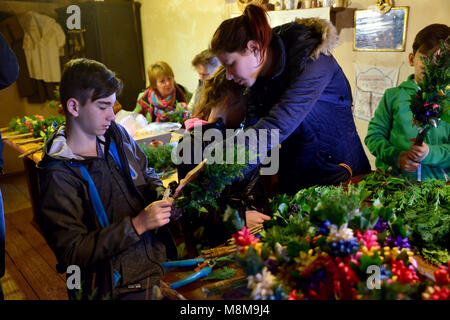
(431, 103)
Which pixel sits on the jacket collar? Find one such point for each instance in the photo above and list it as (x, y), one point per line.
(279, 50)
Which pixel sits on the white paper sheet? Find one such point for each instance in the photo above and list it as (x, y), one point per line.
(371, 83)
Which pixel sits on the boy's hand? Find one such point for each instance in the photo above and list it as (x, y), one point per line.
(155, 215)
(418, 153)
(191, 176)
(176, 213)
(406, 164)
(254, 218)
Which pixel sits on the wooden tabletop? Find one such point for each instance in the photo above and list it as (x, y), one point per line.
(36, 157)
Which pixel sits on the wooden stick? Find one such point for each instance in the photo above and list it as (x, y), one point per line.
(223, 285)
(29, 141)
(169, 293)
(23, 135)
(30, 152)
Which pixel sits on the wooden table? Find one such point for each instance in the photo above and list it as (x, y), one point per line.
(29, 163)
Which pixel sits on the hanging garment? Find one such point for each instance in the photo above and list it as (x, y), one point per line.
(43, 39)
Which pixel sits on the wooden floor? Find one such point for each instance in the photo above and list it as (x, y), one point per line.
(30, 263)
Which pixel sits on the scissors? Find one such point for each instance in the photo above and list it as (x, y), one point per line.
(203, 269)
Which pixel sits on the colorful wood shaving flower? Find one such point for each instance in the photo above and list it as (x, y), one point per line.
(262, 285)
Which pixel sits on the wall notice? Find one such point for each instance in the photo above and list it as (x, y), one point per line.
(371, 82)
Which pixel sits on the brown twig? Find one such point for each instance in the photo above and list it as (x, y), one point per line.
(30, 152)
(16, 136)
(30, 141)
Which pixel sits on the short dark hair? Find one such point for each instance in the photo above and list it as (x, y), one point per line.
(430, 37)
(85, 79)
(205, 58)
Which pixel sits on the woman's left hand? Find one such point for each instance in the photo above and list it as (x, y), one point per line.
(254, 218)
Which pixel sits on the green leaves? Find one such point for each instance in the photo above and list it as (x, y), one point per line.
(207, 188)
(159, 157)
(251, 264)
(221, 274)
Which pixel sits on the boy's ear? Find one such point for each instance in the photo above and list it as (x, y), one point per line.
(411, 59)
(73, 107)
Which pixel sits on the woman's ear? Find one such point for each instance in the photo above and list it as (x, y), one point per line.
(73, 107)
(411, 59)
(253, 47)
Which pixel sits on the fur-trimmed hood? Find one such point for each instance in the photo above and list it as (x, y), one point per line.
(296, 42)
(330, 37)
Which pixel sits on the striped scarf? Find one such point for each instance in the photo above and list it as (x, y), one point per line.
(153, 103)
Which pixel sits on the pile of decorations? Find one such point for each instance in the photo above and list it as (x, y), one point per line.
(30, 129)
(336, 243)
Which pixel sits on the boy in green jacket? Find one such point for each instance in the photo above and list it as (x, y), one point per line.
(390, 135)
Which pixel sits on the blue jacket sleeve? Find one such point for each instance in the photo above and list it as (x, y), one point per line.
(292, 108)
(9, 68)
(299, 98)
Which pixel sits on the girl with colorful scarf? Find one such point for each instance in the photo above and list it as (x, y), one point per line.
(163, 95)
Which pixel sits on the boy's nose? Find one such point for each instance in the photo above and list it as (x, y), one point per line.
(111, 115)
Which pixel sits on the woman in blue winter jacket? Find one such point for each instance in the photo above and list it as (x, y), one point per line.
(295, 85)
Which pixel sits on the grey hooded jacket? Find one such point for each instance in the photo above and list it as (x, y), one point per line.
(70, 225)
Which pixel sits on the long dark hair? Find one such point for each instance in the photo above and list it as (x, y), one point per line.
(234, 34)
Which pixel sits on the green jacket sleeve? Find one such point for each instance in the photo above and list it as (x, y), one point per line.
(138, 107)
(378, 133)
(439, 156)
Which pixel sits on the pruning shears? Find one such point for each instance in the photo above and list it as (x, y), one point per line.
(203, 269)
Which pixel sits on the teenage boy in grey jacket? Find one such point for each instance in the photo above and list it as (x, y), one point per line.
(99, 207)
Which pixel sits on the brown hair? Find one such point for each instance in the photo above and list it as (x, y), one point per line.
(234, 34)
(216, 90)
(429, 38)
(85, 79)
(157, 69)
(205, 58)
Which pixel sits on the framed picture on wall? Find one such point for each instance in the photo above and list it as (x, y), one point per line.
(380, 32)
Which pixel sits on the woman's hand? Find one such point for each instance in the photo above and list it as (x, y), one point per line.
(254, 218)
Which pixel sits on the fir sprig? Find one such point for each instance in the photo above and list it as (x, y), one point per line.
(204, 191)
(159, 158)
(432, 103)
